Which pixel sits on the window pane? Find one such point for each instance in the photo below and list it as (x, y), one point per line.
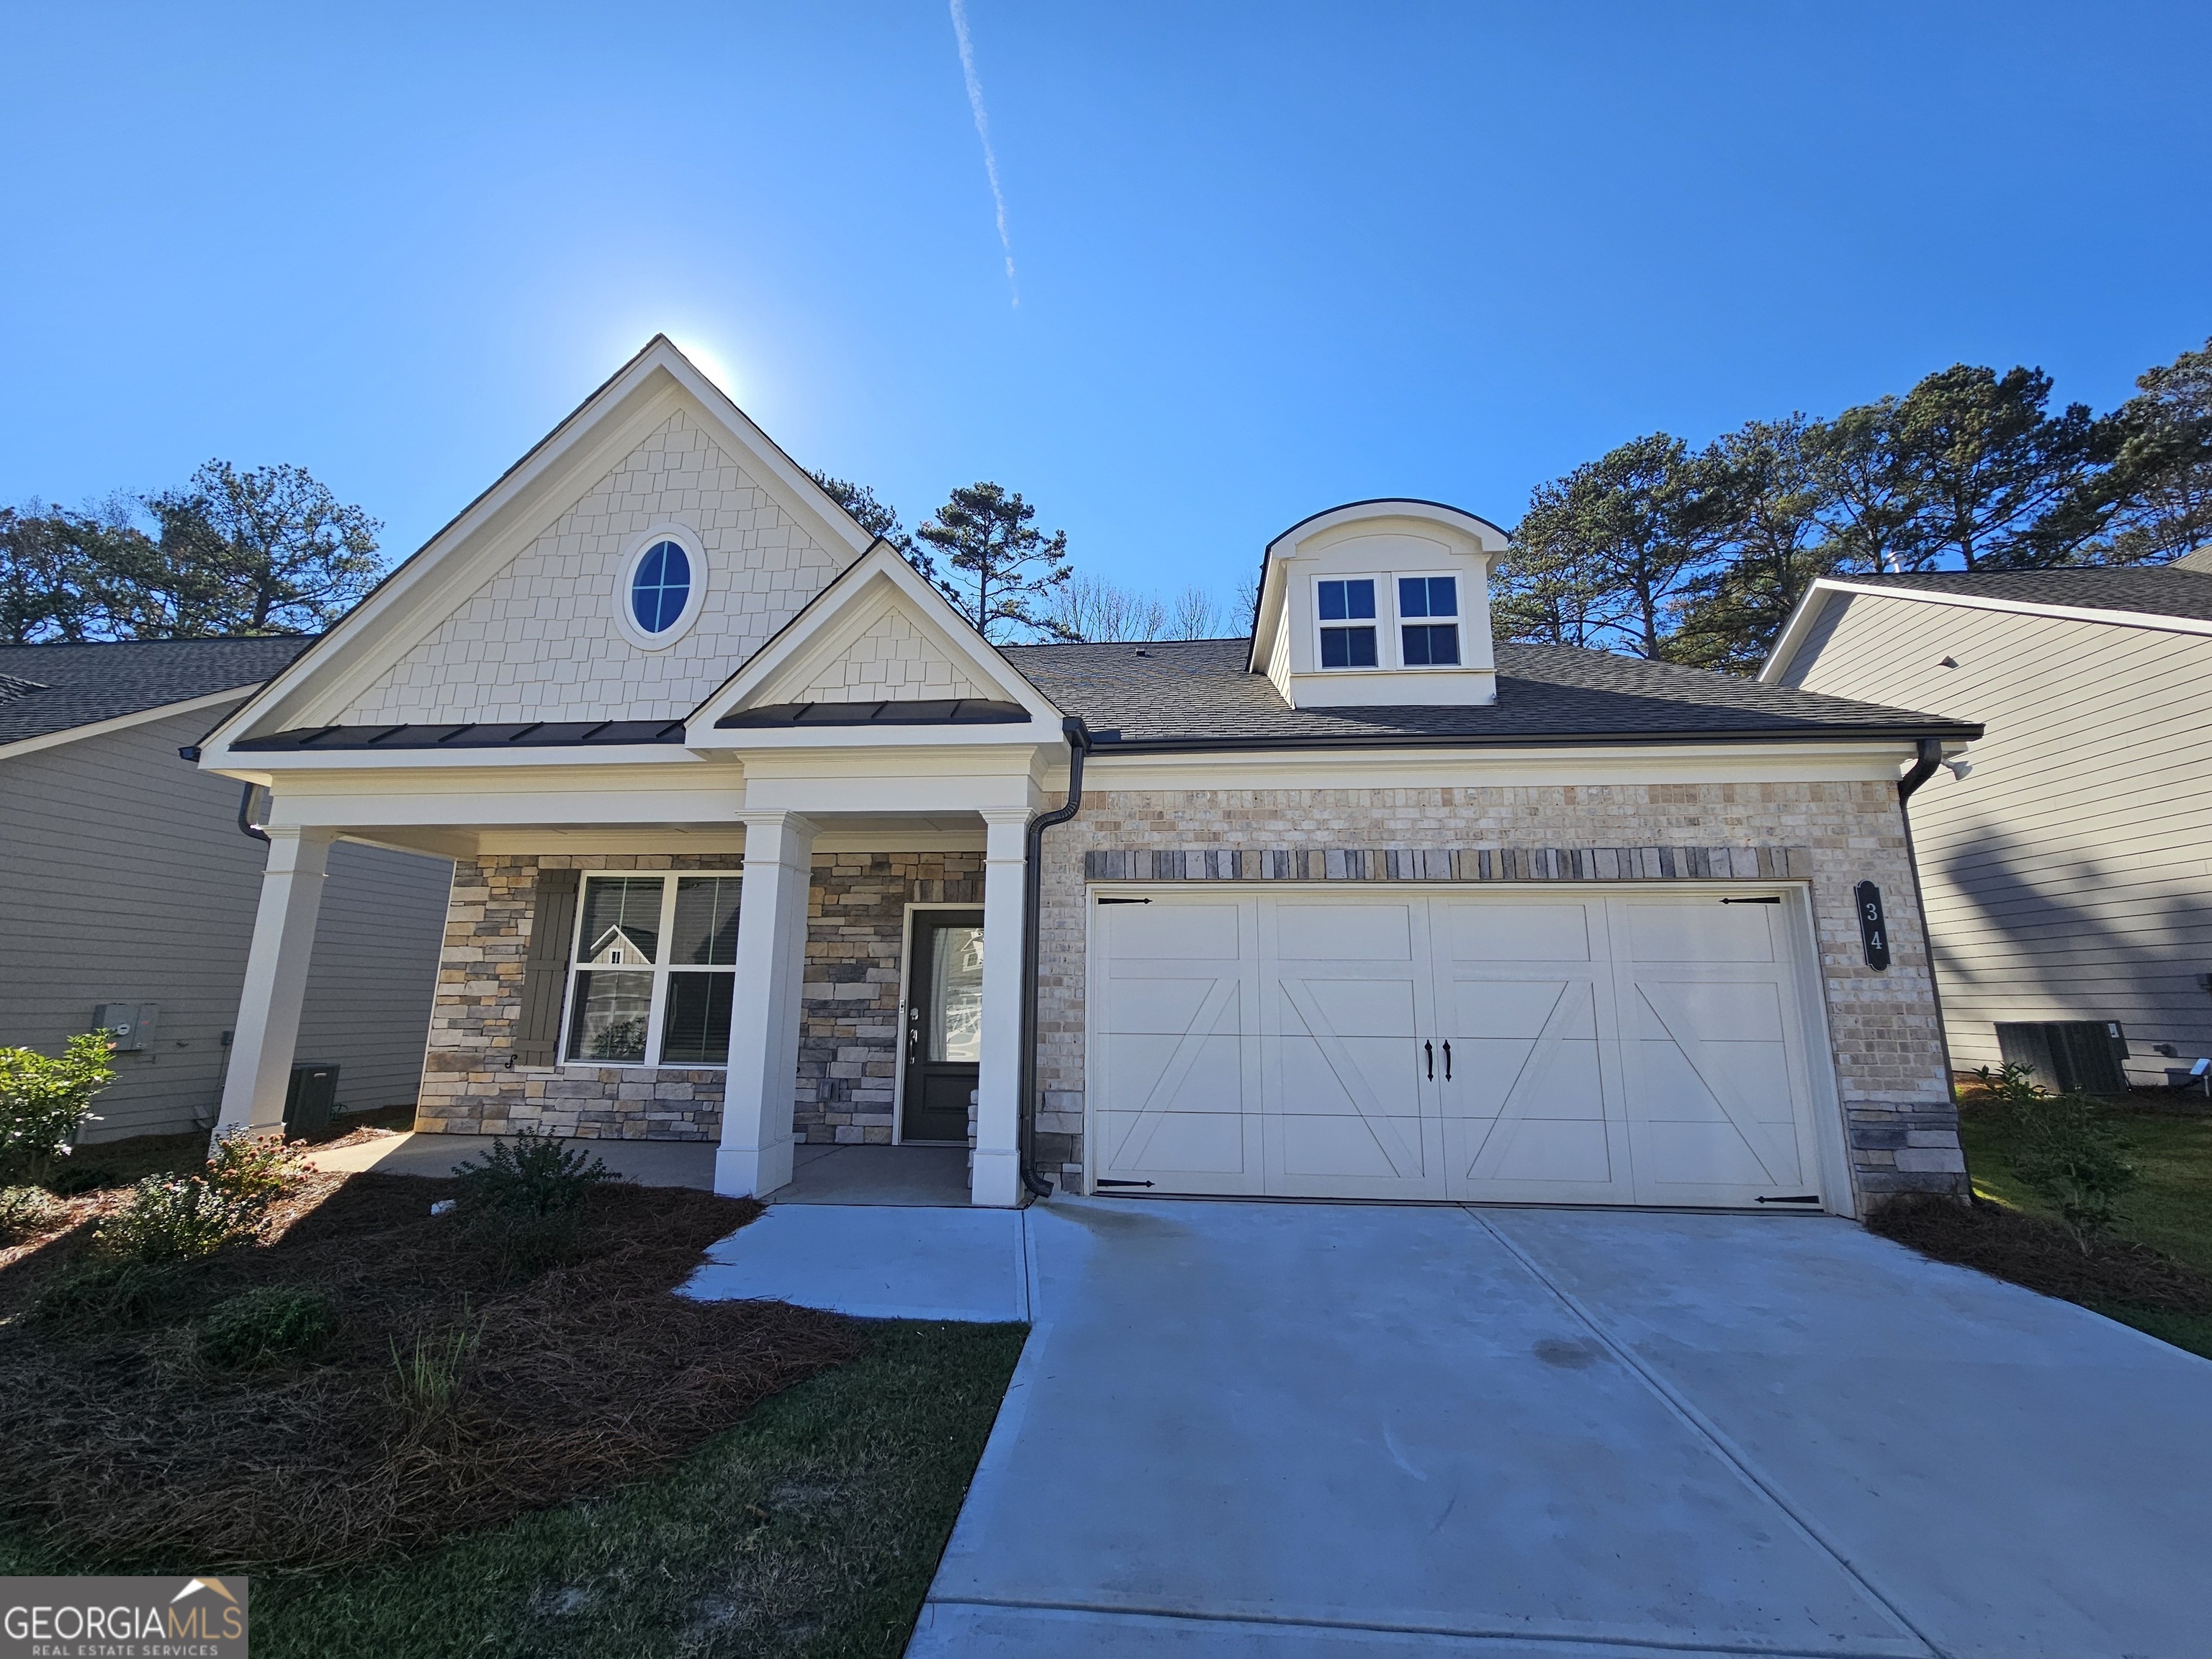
(1348, 647)
(1413, 596)
(622, 921)
(1332, 601)
(1443, 596)
(955, 994)
(1433, 646)
(609, 1024)
(1344, 600)
(705, 920)
(697, 1031)
(661, 587)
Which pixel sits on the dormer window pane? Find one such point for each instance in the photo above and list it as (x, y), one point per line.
(1429, 596)
(1348, 647)
(1431, 646)
(1347, 601)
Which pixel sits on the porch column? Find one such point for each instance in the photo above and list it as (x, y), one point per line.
(996, 1179)
(267, 1026)
(754, 1158)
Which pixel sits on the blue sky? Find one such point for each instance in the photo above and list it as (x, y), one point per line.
(1269, 257)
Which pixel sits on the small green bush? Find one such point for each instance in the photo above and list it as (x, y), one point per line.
(26, 1212)
(171, 1218)
(109, 1292)
(2067, 1153)
(44, 1100)
(532, 1174)
(428, 1378)
(253, 1171)
(273, 1322)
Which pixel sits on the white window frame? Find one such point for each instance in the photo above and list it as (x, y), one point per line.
(685, 538)
(1401, 622)
(1377, 622)
(661, 968)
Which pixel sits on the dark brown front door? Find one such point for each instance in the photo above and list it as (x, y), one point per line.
(944, 1023)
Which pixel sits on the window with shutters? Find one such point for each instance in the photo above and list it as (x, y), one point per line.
(652, 969)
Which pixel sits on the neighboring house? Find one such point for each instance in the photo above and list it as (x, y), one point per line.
(127, 880)
(2066, 873)
(1359, 907)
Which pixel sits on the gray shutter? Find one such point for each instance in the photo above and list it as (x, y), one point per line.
(545, 974)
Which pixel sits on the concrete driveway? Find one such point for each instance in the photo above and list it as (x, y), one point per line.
(1338, 1429)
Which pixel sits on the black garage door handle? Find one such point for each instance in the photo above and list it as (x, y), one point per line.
(1430, 1049)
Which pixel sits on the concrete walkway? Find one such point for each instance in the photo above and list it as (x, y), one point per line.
(1344, 1430)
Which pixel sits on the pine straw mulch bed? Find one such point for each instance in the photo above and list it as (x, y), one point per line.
(2043, 1255)
(125, 1446)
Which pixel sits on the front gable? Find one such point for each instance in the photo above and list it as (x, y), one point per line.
(515, 612)
(879, 652)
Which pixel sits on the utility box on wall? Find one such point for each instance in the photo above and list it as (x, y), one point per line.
(2069, 1057)
(311, 1100)
(132, 1023)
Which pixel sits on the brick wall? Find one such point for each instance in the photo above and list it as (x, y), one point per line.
(849, 1031)
(1900, 1125)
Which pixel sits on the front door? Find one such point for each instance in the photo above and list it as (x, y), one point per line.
(943, 1025)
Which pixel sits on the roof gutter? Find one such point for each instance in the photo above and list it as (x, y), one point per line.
(1947, 732)
(1078, 744)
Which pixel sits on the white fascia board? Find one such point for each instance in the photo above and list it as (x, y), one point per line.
(260, 766)
(417, 597)
(1430, 768)
(119, 723)
(852, 603)
(1800, 619)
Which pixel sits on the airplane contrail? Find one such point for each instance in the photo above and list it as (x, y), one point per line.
(983, 132)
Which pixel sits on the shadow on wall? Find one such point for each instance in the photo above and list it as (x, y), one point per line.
(2068, 950)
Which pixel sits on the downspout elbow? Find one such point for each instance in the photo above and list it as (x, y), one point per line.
(247, 826)
(1931, 756)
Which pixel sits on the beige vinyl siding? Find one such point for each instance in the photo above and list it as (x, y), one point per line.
(2068, 877)
(125, 879)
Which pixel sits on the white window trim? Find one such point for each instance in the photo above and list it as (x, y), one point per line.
(1390, 642)
(1379, 622)
(685, 538)
(661, 968)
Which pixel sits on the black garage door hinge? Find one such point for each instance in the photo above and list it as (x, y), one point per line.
(1124, 901)
(1765, 898)
(1103, 1182)
(1800, 1198)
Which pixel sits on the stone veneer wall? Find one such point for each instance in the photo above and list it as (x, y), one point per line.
(849, 1031)
(1901, 1127)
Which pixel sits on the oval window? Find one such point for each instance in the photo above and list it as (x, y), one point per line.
(661, 587)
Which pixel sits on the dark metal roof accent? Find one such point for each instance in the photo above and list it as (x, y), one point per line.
(2152, 590)
(513, 734)
(1196, 694)
(66, 686)
(952, 711)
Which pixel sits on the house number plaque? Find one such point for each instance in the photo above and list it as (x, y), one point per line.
(1874, 929)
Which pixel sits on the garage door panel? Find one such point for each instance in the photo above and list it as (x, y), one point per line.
(1356, 1148)
(1477, 1008)
(1165, 1005)
(1167, 1073)
(1701, 931)
(1473, 931)
(1536, 1152)
(1362, 1077)
(1172, 931)
(1344, 931)
(1491, 1079)
(1182, 1142)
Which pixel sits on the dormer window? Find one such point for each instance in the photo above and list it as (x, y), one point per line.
(1347, 623)
(1428, 643)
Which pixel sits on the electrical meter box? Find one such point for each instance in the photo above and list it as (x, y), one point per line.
(132, 1023)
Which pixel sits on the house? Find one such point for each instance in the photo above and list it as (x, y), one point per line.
(2065, 864)
(1360, 906)
(129, 885)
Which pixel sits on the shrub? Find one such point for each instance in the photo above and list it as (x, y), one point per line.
(106, 1292)
(527, 1198)
(44, 1100)
(171, 1218)
(25, 1211)
(273, 1322)
(2067, 1152)
(253, 1171)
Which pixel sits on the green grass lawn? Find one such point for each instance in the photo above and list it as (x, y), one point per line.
(2170, 1210)
(812, 1528)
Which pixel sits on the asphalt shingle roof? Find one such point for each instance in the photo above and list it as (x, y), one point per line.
(72, 685)
(1197, 694)
(2153, 589)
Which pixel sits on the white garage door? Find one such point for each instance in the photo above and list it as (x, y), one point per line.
(1605, 1047)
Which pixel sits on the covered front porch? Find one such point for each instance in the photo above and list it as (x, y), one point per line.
(801, 1008)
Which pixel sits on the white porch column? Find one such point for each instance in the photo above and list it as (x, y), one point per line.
(754, 1158)
(996, 1180)
(276, 980)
